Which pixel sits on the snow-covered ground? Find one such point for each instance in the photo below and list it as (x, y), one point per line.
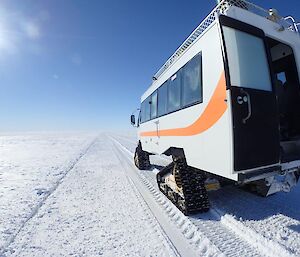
(272, 221)
(80, 195)
(68, 195)
(31, 165)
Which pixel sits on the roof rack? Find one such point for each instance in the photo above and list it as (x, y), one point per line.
(221, 8)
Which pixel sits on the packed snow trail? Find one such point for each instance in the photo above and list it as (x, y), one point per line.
(95, 210)
(30, 167)
(205, 229)
(275, 235)
(83, 196)
(185, 237)
(45, 196)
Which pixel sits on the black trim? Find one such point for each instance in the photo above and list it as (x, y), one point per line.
(182, 108)
(225, 57)
(250, 29)
(245, 176)
(156, 91)
(251, 132)
(242, 26)
(247, 28)
(179, 72)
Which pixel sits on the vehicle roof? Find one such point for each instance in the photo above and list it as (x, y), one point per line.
(223, 8)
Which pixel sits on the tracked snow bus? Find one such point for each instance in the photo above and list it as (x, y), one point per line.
(226, 106)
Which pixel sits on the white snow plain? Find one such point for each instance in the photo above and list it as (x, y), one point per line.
(78, 194)
(64, 195)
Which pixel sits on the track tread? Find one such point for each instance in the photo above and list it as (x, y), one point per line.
(195, 197)
(141, 158)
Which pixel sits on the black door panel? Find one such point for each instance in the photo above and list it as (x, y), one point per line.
(255, 127)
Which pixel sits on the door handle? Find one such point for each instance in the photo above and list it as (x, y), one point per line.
(245, 99)
(240, 100)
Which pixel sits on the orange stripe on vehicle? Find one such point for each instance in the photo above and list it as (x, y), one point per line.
(212, 113)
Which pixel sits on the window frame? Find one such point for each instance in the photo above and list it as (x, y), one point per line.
(147, 103)
(201, 83)
(252, 30)
(239, 55)
(180, 90)
(142, 118)
(155, 92)
(167, 82)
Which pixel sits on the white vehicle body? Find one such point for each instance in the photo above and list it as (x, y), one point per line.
(215, 135)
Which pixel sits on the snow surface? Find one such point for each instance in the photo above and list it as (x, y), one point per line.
(275, 220)
(91, 209)
(77, 194)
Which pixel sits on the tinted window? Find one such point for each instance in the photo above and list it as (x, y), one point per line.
(247, 60)
(154, 105)
(191, 81)
(147, 108)
(174, 92)
(142, 111)
(162, 99)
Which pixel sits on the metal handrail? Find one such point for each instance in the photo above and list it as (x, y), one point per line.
(221, 8)
(295, 24)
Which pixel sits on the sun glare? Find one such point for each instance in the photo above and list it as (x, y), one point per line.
(7, 39)
(3, 37)
(15, 30)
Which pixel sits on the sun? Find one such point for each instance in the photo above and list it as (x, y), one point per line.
(6, 39)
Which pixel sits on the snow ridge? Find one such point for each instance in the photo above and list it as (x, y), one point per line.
(155, 225)
(265, 246)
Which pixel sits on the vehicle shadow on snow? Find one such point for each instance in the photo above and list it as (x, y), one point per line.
(248, 206)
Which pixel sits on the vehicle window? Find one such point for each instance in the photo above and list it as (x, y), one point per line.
(147, 108)
(247, 60)
(162, 99)
(192, 82)
(154, 105)
(142, 113)
(174, 88)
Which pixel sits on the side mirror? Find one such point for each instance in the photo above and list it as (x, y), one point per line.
(132, 119)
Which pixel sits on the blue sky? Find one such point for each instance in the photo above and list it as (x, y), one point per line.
(83, 65)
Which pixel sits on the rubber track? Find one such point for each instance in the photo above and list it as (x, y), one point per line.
(195, 198)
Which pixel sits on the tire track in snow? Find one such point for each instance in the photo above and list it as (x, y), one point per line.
(243, 235)
(230, 243)
(46, 195)
(151, 217)
(187, 241)
(278, 232)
